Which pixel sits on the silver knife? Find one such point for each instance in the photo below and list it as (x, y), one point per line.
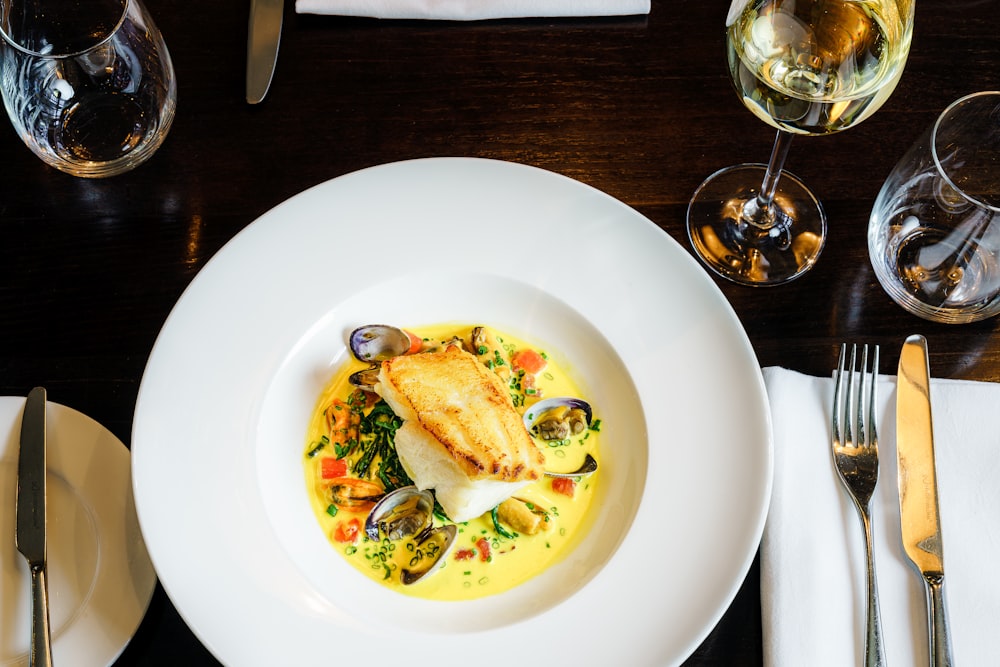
(263, 37)
(30, 528)
(918, 498)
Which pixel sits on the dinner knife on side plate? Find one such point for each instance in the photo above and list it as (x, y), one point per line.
(918, 497)
(263, 37)
(30, 524)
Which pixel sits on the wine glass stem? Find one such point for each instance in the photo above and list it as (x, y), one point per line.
(759, 211)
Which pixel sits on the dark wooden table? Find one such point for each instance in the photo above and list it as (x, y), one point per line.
(641, 108)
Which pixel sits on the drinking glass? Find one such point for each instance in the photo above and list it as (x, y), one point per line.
(88, 84)
(811, 67)
(934, 232)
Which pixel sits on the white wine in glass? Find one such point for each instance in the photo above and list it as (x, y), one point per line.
(809, 67)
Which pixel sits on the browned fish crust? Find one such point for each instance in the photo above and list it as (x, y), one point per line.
(467, 409)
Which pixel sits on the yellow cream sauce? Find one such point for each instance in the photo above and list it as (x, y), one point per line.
(467, 572)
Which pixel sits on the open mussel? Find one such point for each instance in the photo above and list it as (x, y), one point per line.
(558, 418)
(407, 515)
(365, 379)
(354, 494)
(555, 419)
(428, 554)
(378, 342)
(405, 512)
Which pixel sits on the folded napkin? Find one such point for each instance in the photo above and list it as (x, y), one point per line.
(471, 10)
(812, 554)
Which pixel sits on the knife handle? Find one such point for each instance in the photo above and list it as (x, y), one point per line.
(940, 643)
(41, 639)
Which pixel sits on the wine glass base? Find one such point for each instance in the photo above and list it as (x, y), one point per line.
(747, 253)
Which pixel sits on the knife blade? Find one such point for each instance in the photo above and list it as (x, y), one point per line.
(918, 496)
(264, 35)
(30, 522)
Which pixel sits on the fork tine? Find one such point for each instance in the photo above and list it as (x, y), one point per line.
(837, 385)
(872, 402)
(852, 388)
(862, 377)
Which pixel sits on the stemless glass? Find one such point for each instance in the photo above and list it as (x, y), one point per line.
(934, 232)
(88, 84)
(808, 67)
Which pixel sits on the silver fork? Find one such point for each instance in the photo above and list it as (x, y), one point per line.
(856, 459)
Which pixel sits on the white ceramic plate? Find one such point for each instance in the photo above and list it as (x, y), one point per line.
(100, 578)
(220, 423)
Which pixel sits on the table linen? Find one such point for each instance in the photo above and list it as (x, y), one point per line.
(812, 579)
(472, 10)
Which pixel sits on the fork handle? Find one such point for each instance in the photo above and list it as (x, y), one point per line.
(937, 620)
(874, 650)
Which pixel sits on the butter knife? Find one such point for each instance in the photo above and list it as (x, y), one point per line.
(264, 35)
(30, 523)
(918, 498)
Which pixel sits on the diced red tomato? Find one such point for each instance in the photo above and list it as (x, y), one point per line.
(331, 468)
(347, 532)
(465, 554)
(528, 360)
(416, 342)
(483, 545)
(564, 485)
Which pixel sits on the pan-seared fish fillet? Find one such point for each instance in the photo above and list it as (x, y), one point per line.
(461, 435)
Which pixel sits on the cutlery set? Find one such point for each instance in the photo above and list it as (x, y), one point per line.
(855, 453)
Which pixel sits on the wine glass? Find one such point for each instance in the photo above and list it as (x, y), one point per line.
(808, 67)
(88, 84)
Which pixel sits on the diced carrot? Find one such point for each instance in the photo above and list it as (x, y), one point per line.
(416, 342)
(528, 360)
(331, 467)
(564, 485)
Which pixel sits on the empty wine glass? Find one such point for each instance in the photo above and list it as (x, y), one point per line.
(808, 67)
(88, 84)
(934, 232)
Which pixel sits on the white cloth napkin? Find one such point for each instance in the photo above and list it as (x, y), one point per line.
(471, 10)
(812, 553)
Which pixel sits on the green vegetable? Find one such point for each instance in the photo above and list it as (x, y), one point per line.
(499, 528)
(376, 441)
(319, 446)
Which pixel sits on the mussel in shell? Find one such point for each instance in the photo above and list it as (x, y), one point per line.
(555, 419)
(429, 550)
(378, 342)
(365, 379)
(407, 515)
(558, 418)
(354, 494)
(402, 513)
